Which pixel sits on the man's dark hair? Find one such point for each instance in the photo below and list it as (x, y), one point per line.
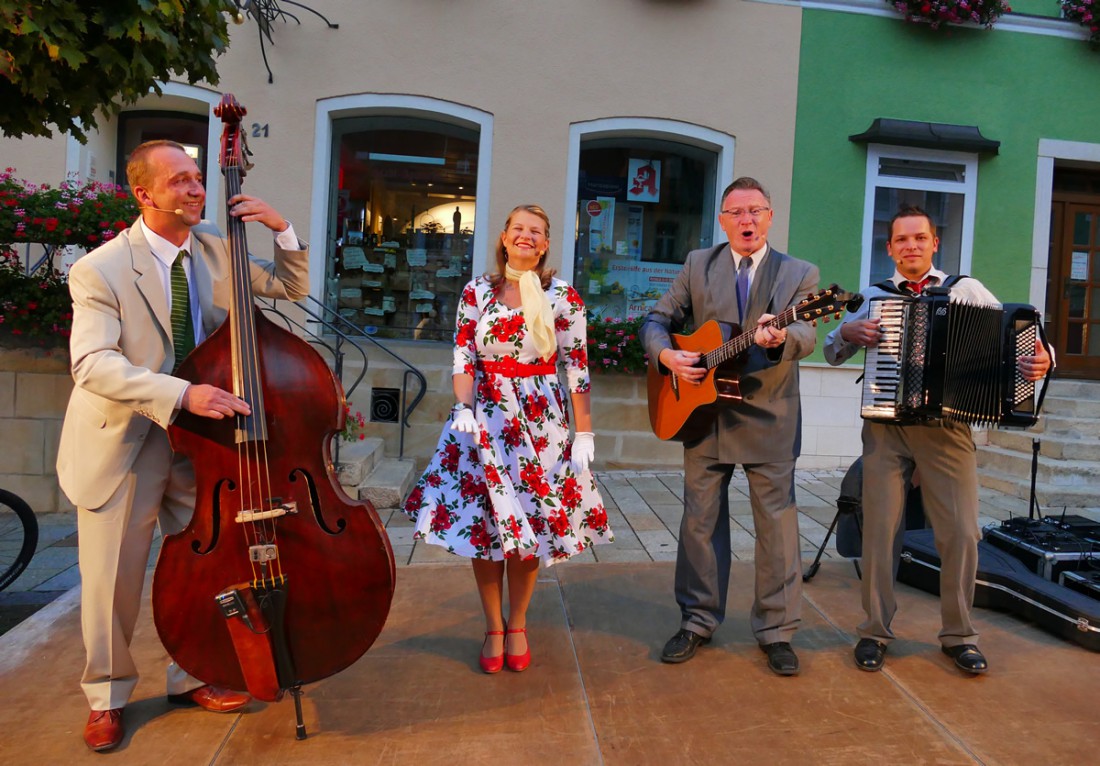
(744, 182)
(911, 211)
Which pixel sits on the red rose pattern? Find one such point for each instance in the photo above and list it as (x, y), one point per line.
(509, 490)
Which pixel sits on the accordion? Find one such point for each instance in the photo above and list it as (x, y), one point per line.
(951, 361)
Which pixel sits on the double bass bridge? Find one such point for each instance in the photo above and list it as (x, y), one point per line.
(282, 509)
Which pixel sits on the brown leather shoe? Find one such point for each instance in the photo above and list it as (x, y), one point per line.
(212, 698)
(104, 729)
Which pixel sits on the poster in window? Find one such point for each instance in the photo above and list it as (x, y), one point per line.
(634, 217)
(642, 283)
(601, 223)
(644, 181)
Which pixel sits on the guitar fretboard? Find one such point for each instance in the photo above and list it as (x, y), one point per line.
(742, 342)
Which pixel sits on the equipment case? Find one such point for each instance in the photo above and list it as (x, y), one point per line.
(1007, 584)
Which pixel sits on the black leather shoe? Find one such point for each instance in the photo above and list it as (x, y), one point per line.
(870, 654)
(967, 658)
(781, 658)
(682, 646)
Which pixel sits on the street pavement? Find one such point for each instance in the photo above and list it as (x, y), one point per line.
(644, 509)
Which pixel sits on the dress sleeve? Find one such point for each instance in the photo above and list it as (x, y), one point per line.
(465, 353)
(571, 329)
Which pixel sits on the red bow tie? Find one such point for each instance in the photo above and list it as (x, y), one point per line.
(916, 288)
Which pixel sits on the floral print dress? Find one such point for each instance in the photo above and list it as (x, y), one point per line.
(510, 489)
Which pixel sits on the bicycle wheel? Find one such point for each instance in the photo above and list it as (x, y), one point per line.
(18, 536)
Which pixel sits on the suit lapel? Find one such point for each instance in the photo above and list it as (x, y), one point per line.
(721, 285)
(203, 282)
(148, 279)
(764, 284)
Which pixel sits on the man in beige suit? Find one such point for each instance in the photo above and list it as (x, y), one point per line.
(114, 465)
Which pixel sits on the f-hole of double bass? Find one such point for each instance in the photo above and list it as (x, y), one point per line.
(315, 503)
(227, 485)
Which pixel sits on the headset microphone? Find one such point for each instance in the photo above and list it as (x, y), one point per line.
(177, 211)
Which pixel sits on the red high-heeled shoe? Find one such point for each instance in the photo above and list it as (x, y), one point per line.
(491, 664)
(518, 662)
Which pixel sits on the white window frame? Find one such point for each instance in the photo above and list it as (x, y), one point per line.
(968, 188)
(721, 144)
(380, 105)
(1051, 152)
(175, 96)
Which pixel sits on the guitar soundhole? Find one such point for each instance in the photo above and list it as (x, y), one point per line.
(728, 388)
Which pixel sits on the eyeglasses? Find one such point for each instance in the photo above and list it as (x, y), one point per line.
(754, 212)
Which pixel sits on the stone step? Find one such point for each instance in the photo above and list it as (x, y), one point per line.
(1051, 444)
(388, 484)
(1049, 496)
(1060, 473)
(1071, 406)
(1060, 425)
(357, 460)
(1074, 389)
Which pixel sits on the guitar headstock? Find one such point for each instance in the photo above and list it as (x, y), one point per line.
(832, 301)
(234, 150)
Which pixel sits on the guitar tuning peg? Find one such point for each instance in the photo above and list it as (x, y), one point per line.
(825, 319)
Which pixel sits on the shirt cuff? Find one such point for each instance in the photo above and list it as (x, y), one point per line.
(287, 239)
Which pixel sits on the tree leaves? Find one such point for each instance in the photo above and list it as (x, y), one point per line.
(66, 63)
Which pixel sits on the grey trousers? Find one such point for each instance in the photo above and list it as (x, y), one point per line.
(945, 455)
(703, 554)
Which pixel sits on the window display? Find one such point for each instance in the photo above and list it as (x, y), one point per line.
(641, 206)
(404, 209)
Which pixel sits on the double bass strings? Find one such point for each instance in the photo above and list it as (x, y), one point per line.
(253, 464)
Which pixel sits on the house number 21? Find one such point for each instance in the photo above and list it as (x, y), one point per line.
(258, 130)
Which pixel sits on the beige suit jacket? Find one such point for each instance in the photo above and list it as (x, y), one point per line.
(121, 349)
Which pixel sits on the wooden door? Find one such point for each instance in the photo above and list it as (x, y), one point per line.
(1074, 298)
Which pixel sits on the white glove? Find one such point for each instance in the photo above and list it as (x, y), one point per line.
(464, 422)
(584, 451)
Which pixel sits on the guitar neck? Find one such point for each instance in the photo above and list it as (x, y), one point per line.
(741, 343)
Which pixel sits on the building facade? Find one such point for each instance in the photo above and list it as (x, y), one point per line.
(398, 142)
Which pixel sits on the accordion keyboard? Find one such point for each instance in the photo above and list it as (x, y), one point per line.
(882, 365)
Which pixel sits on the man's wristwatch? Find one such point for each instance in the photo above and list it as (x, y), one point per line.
(460, 407)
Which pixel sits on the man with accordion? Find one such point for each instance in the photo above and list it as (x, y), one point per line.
(940, 445)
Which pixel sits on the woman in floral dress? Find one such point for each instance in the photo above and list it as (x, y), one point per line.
(507, 487)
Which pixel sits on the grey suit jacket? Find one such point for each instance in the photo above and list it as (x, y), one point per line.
(766, 425)
(121, 349)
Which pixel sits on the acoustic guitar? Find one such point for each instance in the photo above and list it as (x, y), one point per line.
(684, 411)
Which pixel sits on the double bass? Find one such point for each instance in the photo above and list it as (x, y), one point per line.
(280, 579)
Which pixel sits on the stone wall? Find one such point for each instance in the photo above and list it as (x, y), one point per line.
(830, 413)
(34, 390)
(35, 386)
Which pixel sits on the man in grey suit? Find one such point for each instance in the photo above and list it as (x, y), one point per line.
(746, 282)
(112, 463)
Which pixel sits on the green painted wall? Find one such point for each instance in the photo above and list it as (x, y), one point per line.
(1016, 87)
(1048, 8)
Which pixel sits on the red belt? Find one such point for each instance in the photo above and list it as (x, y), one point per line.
(510, 368)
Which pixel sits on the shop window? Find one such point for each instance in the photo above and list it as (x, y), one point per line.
(402, 212)
(942, 183)
(642, 204)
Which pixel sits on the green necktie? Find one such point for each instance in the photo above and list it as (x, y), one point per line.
(183, 329)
